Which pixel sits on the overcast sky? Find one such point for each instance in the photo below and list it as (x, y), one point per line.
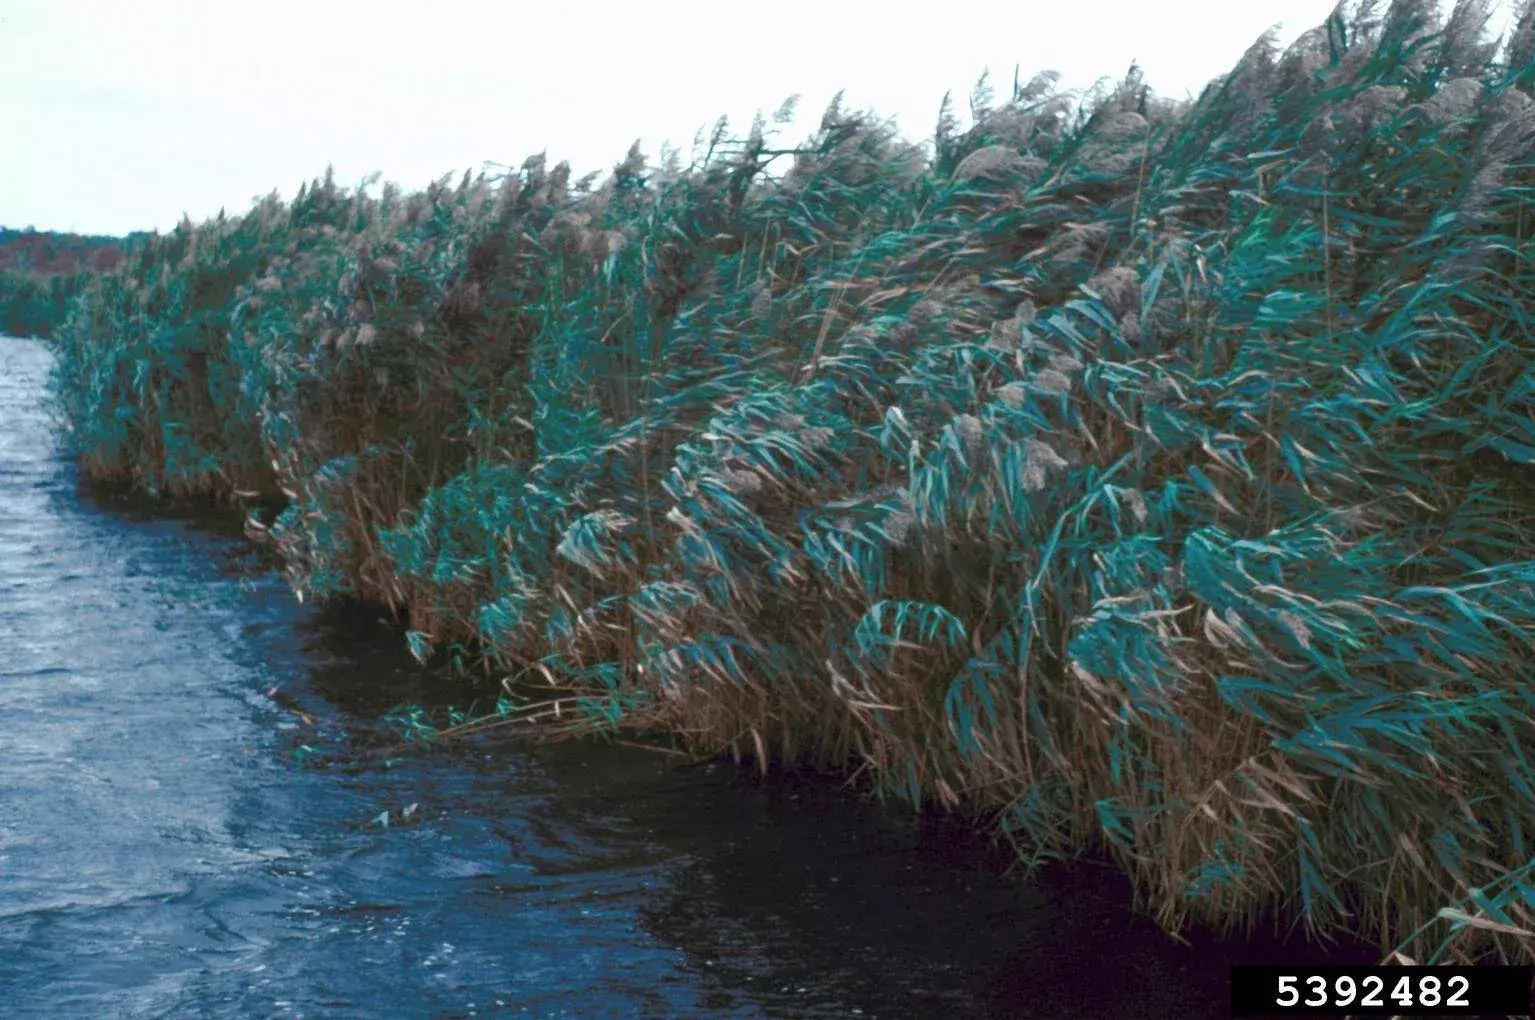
(118, 115)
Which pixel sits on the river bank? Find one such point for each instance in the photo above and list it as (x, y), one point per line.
(167, 847)
(1149, 478)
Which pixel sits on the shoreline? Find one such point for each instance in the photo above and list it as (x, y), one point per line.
(1085, 474)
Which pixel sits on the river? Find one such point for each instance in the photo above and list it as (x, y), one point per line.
(174, 842)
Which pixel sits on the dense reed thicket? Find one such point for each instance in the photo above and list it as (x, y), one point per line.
(41, 271)
(33, 305)
(1157, 476)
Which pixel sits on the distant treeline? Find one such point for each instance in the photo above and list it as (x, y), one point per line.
(40, 271)
(1145, 475)
(45, 253)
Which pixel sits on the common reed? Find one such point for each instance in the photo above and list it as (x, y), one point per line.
(1135, 474)
(40, 271)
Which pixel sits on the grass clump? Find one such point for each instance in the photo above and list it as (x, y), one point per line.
(1142, 474)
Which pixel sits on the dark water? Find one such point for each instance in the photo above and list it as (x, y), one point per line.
(165, 852)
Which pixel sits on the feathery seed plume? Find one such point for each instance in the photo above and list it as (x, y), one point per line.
(1039, 459)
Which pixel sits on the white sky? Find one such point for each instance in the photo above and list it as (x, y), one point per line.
(118, 115)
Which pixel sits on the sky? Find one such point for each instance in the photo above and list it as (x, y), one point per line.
(121, 115)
